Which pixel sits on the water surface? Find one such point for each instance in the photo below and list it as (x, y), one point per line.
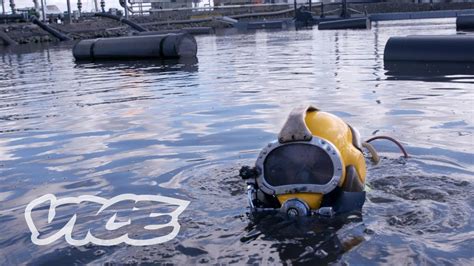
(183, 129)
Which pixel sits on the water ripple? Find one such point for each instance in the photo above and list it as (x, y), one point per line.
(184, 128)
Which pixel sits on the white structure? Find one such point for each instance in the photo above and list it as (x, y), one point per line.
(52, 9)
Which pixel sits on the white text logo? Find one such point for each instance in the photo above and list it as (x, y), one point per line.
(128, 218)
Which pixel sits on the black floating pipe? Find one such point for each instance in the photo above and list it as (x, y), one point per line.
(12, 17)
(123, 20)
(437, 48)
(50, 30)
(407, 70)
(465, 23)
(159, 32)
(192, 31)
(137, 47)
(353, 23)
(6, 39)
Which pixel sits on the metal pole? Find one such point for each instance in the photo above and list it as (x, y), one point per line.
(96, 6)
(310, 5)
(43, 13)
(344, 13)
(35, 2)
(125, 7)
(322, 9)
(69, 11)
(102, 5)
(79, 7)
(12, 6)
(3, 7)
(294, 2)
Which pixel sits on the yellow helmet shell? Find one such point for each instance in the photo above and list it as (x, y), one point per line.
(336, 131)
(333, 129)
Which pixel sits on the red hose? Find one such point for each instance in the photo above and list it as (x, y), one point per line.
(391, 139)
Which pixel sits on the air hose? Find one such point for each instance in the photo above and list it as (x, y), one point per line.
(373, 152)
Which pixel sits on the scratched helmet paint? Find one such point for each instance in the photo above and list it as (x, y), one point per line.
(315, 167)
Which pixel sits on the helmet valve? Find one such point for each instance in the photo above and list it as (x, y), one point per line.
(295, 207)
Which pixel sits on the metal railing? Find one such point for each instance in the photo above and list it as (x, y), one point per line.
(146, 6)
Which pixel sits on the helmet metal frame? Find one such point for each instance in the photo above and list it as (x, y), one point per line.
(330, 150)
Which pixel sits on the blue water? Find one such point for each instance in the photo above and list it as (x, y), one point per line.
(183, 130)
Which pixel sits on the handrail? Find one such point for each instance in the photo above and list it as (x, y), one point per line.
(212, 8)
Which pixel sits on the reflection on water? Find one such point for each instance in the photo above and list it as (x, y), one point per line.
(183, 129)
(429, 71)
(154, 66)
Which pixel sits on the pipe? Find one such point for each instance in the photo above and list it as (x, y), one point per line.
(435, 48)
(137, 47)
(405, 153)
(263, 25)
(12, 17)
(198, 30)
(6, 39)
(353, 23)
(160, 32)
(413, 70)
(192, 31)
(125, 8)
(50, 30)
(465, 23)
(123, 20)
(228, 20)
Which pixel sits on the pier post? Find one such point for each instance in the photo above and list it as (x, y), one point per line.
(12, 6)
(125, 7)
(344, 13)
(69, 11)
(35, 3)
(79, 7)
(43, 13)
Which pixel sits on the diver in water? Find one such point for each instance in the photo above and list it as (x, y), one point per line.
(316, 167)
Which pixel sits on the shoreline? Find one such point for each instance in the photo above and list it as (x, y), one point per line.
(94, 27)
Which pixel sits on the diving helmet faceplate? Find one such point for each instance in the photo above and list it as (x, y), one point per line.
(315, 163)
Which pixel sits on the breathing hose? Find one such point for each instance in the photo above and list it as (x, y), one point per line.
(373, 152)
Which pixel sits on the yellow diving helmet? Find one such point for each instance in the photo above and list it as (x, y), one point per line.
(316, 167)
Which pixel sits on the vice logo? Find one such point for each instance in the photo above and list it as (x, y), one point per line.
(128, 218)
